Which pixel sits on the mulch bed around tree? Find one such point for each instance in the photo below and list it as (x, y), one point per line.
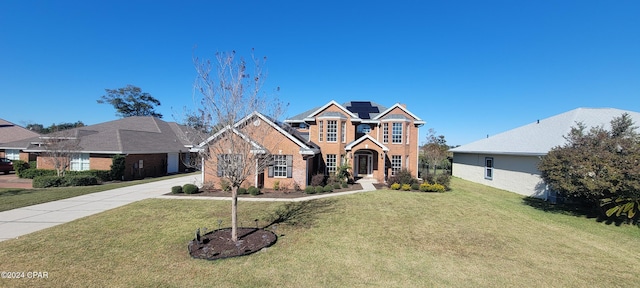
(268, 193)
(217, 244)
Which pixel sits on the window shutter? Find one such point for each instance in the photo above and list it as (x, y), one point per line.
(289, 166)
(270, 173)
(219, 166)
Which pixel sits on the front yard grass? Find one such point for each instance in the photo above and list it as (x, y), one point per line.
(12, 198)
(474, 236)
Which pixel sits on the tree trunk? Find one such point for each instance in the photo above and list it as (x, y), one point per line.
(234, 213)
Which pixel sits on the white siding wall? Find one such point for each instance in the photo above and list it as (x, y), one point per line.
(517, 174)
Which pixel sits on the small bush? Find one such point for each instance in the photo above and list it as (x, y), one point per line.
(296, 186)
(395, 186)
(310, 190)
(317, 180)
(254, 191)
(345, 185)
(47, 181)
(438, 188)
(328, 188)
(415, 186)
(444, 180)
(190, 189)
(276, 185)
(336, 185)
(176, 189)
(19, 166)
(429, 178)
(406, 187)
(403, 177)
(319, 189)
(424, 187)
(242, 191)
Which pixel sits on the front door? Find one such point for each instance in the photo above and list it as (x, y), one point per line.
(363, 164)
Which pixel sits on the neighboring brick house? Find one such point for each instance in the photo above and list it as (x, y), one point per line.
(13, 140)
(374, 140)
(151, 146)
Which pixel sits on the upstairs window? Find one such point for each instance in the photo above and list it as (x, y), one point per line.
(332, 131)
(396, 131)
(385, 133)
(229, 165)
(343, 131)
(488, 168)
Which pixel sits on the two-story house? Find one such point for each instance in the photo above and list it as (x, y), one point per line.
(374, 140)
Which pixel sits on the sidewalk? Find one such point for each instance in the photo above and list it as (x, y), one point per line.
(25, 220)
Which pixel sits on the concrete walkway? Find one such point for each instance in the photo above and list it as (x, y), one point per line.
(17, 222)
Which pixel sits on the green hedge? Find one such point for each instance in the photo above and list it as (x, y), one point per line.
(31, 173)
(64, 181)
(190, 189)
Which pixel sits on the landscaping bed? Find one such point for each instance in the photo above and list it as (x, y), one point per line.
(267, 193)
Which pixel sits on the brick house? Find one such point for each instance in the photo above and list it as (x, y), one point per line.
(374, 140)
(151, 146)
(13, 140)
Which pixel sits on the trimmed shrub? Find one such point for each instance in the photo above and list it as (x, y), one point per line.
(395, 186)
(176, 189)
(317, 180)
(406, 187)
(242, 191)
(424, 187)
(19, 166)
(438, 188)
(80, 180)
(336, 185)
(415, 186)
(319, 189)
(254, 190)
(102, 175)
(310, 190)
(328, 188)
(32, 173)
(190, 189)
(47, 181)
(345, 185)
(117, 167)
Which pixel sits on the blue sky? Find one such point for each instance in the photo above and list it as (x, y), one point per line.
(468, 68)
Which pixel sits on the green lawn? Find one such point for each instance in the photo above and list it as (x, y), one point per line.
(12, 198)
(473, 236)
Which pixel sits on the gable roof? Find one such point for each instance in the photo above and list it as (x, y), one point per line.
(417, 119)
(537, 138)
(10, 132)
(131, 135)
(332, 102)
(306, 147)
(361, 139)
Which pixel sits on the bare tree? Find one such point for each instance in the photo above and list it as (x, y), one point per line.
(233, 107)
(59, 148)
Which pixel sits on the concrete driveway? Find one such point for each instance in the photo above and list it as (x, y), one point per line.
(17, 222)
(12, 181)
